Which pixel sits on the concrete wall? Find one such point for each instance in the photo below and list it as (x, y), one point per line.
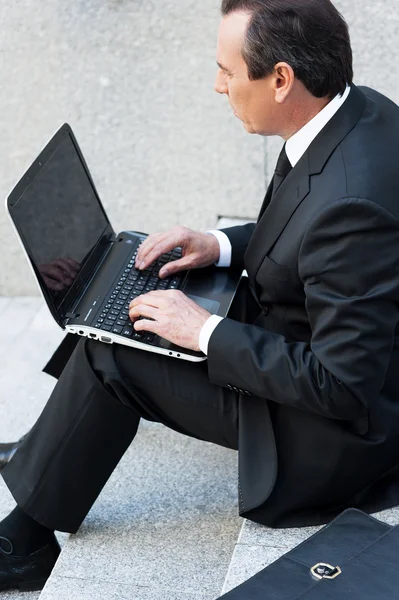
(135, 81)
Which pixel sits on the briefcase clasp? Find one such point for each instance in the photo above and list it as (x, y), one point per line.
(325, 571)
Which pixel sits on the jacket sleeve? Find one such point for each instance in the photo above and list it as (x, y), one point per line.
(239, 237)
(349, 265)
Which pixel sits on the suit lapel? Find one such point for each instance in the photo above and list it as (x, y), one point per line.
(267, 199)
(275, 216)
(277, 211)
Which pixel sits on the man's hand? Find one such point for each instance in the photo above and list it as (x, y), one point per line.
(170, 314)
(198, 250)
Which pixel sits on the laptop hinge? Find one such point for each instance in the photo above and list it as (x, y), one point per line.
(71, 315)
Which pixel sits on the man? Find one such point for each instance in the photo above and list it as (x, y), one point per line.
(304, 384)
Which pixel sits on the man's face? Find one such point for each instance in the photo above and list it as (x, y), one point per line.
(253, 102)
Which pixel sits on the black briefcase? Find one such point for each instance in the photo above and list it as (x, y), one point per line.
(355, 557)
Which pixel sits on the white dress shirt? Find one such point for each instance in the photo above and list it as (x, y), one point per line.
(295, 147)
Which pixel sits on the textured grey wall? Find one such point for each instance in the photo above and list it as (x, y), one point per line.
(135, 81)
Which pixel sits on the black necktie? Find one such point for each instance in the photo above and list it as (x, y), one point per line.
(283, 167)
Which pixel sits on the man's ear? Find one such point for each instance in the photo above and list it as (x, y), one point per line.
(283, 81)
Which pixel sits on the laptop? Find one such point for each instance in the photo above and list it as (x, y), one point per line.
(86, 271)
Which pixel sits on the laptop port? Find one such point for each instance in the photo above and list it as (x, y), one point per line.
(107, 340)
(93, 335)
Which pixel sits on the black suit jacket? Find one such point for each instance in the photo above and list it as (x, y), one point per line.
(320, 430)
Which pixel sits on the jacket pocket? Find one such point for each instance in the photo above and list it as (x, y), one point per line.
(269, 267)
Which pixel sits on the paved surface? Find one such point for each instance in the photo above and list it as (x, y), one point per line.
(166, 523)
(28, 338)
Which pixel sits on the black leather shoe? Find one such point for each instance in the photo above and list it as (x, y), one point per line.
(7, 451)
(26, 573)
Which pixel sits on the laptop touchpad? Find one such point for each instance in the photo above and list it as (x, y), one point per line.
(211, 306)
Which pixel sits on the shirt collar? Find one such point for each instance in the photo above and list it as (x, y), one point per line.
(297, 145)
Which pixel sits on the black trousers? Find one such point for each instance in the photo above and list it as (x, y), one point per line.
(92, 417)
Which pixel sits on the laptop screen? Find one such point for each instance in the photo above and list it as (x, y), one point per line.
(60, 219)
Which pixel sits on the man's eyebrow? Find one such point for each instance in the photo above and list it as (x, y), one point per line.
(222, 67)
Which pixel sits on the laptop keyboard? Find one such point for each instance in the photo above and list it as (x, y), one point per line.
(114, 316)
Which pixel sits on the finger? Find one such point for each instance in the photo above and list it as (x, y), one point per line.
(183, 264)
(146, 246)
(156, 299)
(153, 252)
(143, 310)
(150, 238)
(144, 325)
(160, 246)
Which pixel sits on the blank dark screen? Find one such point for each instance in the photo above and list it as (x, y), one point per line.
(60, 218)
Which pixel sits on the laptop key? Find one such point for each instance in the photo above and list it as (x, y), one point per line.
(149, 337)
(106, 327)
(117, 330)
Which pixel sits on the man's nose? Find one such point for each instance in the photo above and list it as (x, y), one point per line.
(220, 83)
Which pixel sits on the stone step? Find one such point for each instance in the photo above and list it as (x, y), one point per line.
(29, 335)
(164, 526)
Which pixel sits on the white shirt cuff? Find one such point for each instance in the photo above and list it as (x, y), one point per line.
(225, 248)
(206, 332)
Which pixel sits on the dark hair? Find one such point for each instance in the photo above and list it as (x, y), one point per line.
(310, 35)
